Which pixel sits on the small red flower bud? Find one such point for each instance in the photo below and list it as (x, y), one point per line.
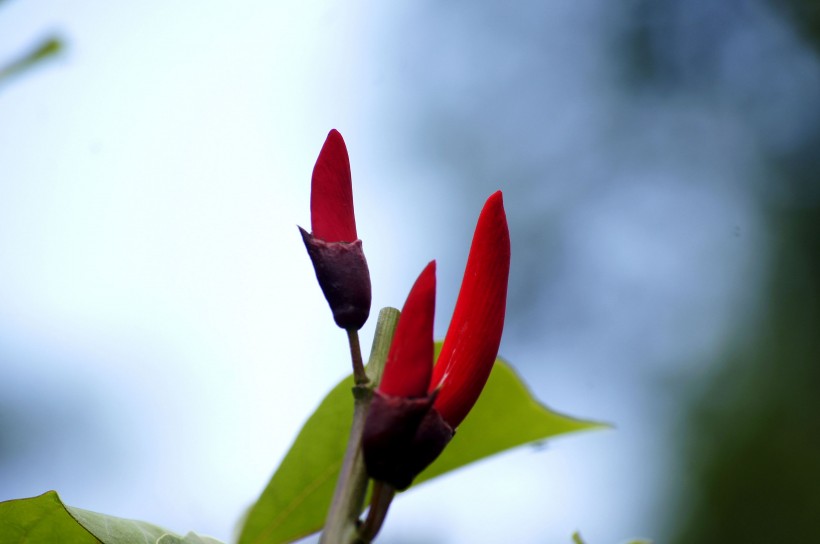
(402, 434)
(471, 344)
(333, 246)
(410, 360)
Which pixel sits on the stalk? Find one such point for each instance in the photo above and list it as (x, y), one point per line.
(341, 526)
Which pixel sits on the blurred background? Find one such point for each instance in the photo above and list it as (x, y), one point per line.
(162, 338)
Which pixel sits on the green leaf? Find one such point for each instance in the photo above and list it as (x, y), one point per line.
(295, 502)
(47, 48)
(576, 539)
(190, 538)
(505, 416)
(39, 520)
(46, 520)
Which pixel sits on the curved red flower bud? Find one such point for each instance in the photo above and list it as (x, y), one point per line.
(331, 193)
(410, 360)
(471, 344)
(407, 426)
(333, 246)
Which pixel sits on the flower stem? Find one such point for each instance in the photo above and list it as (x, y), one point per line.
(383, 494)
(359, 375)
(341, 526)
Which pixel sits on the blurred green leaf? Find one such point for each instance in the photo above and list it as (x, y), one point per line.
(295, 502)
(576, 539)
(190, 538)
(46, 520)
(45, 49)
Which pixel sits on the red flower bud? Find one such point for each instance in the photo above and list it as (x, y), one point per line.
(333, 246)
(410, 360)
(402, 434)
(412, 418)
(471, 344)
(331, 193)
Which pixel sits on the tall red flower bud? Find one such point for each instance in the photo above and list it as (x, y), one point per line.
(409, 426)
(333, 246)
(331, 193)
(471, 344)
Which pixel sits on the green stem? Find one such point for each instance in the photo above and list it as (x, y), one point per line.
(341, 526)
(383, 494)
(359, 375)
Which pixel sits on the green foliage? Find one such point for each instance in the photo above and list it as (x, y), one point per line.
(40, 519)
(46, 520)
(576, 539)
(751, 444)
(296, 499)
(505, 416)
(295, 502)
(46, 49)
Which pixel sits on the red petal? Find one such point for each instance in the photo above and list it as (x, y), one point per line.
(472, 341)
(331, 193)
(410, 361)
